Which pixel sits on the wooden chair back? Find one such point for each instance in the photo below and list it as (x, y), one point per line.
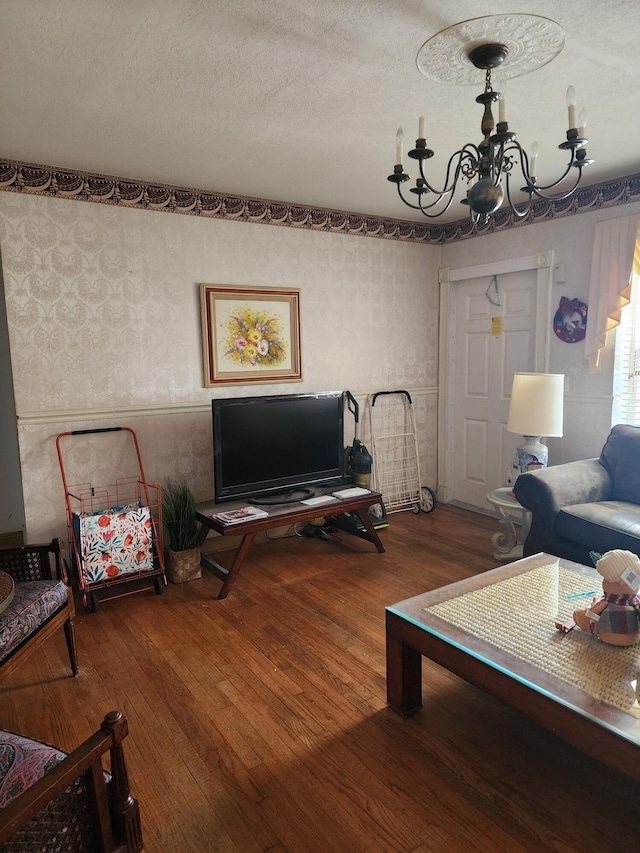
(98, 813)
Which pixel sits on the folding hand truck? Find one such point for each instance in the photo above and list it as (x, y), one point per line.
(396, 471)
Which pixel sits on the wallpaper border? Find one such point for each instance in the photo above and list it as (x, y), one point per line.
(17, 176)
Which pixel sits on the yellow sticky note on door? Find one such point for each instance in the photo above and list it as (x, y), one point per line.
(496, 326)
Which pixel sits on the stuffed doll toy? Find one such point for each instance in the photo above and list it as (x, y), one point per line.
(615, 618)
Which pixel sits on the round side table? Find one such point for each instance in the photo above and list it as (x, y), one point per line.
(505, 542)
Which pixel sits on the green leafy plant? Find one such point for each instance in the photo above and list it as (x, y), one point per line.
(179, 515)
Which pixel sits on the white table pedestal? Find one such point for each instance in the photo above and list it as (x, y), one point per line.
(505, 542)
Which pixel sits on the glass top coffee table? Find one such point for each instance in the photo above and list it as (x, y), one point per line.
(498, 631)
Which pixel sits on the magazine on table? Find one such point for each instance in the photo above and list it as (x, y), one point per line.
(245, 513)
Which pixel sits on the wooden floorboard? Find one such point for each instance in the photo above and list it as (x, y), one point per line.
(259, 723)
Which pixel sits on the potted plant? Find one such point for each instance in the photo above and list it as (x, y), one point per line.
(179, 518)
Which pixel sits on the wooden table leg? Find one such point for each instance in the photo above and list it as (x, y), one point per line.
(404, 676)
(202, 535)
(364, 517)
(241, 553)
(228, 576)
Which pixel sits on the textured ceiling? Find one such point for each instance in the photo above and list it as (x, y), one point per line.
(293, 100)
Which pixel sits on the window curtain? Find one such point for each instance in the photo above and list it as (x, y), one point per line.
(626, 372)
(616, 253)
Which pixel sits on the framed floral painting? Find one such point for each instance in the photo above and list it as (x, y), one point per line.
(250, 334)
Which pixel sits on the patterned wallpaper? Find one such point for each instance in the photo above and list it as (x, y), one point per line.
(104, 318)
(103, 309)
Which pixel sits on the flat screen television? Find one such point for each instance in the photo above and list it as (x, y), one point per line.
(276, 449)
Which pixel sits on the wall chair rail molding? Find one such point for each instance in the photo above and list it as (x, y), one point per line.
(17, 176)
(64, 416)
(121, 413)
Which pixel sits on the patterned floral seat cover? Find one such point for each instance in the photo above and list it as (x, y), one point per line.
(33, 602)
(22, 762)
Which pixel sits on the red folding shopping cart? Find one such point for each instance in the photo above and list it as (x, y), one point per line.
(114, 516)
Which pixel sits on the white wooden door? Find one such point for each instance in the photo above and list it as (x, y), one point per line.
(469, 442)
(495, 336)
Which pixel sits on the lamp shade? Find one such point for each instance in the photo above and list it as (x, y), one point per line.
(537, 403)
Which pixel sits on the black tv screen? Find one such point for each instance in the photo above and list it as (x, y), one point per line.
(264, 448)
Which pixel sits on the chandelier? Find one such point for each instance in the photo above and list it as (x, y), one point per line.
(489, 168)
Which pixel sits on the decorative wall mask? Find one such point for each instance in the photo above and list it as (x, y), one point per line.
(570, 321)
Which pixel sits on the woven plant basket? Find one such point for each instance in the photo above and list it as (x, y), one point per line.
(183, 565)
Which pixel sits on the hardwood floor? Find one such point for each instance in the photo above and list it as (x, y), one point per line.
(259, 723)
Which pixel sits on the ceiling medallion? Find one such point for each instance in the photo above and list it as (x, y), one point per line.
(530, 40)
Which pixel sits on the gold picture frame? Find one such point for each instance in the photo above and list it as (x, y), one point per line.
(250, 334)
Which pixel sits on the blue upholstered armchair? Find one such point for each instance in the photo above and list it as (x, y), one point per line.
(590, 505)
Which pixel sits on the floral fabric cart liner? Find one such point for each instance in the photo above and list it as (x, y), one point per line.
(115, 542)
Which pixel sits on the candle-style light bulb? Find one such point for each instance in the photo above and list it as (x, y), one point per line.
(421, 127)
(534, 160)
(571, 106)
(399, 146)
(502, 101)
(582, 122)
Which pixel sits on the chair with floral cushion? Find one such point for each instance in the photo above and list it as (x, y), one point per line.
(53, 801)
(35, 602)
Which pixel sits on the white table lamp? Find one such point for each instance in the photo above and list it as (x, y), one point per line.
(536, 410)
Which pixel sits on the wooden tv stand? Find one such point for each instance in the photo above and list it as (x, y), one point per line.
(280, 515)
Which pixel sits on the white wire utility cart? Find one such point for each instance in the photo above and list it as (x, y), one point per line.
(114, 528)
(396, 470)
